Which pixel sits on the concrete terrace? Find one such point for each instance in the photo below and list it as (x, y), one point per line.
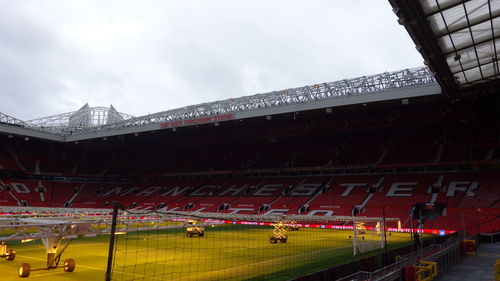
(474, 268)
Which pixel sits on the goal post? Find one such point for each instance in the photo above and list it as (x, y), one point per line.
(369, 238)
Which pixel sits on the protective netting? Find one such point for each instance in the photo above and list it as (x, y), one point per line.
(367, 239)
(189, 247)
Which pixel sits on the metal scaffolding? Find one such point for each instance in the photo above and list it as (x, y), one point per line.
(98, 119)
(6, 119)
(83, 119)
(414, 77)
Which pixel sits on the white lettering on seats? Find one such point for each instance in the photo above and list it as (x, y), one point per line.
(305, 189)
(323, 212)
(20, 188)
(350, 187)
(233, 190)
(465, 186)
(236, 210)
(267, 189)
(120, 191)
(473, 186)
(204, 190)
(174, 191)
(276, 212)
(398, 187)
(148, 191)
(116, 190)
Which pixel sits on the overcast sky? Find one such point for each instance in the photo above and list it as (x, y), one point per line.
(149, 56)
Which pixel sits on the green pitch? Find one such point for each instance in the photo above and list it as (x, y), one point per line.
(229, 252)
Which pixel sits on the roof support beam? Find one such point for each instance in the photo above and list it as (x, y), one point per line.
(473, 45)
(444, 8)
(412, 16)
(495, 65)
(473, 23)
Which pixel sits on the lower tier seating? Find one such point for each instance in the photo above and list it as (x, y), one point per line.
(471, 198)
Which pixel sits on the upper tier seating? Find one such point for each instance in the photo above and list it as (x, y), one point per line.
(414, 135)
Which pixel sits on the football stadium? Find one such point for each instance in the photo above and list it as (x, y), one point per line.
(389, 176)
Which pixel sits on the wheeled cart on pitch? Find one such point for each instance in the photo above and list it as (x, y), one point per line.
(195, 229)
(8, 254)
(279, 233)
(293, 226)
(361, 228)
(53, 258)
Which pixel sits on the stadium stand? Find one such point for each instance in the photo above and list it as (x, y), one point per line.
(395, 138)
(357, 160)
(464, 194)
(372, 159)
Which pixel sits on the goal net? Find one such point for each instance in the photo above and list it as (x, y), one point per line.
(216, 246)
(368, 238)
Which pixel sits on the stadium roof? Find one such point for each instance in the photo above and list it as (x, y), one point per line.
(88, 122)
(459, 40)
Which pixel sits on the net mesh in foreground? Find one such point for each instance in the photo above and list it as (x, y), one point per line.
(202, 246)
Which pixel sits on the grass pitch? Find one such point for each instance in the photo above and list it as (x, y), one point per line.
(229, 252)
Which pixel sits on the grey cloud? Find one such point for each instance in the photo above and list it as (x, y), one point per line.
(145, 57)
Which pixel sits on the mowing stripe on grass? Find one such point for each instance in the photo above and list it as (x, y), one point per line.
(234, 272)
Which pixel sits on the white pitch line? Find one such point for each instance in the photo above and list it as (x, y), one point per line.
(79, 265)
